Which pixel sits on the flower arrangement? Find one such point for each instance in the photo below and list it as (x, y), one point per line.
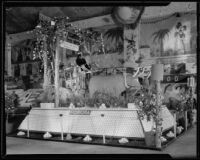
(102, 97)
(97, 100)
(10, 103)
(78, 101)
(184, 103)
(109, 100)
(90, 102)
(146, 101)
(120, 102)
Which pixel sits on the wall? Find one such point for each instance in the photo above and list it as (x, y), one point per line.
(150, 30)
(172, 45)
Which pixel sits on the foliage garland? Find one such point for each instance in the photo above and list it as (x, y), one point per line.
(47, 32)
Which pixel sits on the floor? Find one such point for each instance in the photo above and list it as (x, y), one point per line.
(184, 146)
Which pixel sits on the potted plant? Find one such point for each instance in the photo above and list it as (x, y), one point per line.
(186, 104)
(146, 101)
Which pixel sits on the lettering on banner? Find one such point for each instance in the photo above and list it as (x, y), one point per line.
(69, 46)
(176, 78)
(80, 112)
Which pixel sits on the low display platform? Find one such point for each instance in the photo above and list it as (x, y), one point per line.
(95, 122)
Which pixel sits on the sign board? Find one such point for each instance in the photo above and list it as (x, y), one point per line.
(69, 46)
(80, 112)
(175, 79)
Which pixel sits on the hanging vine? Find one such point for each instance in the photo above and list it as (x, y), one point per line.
(48, 32)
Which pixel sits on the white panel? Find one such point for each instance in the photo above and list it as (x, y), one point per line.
(123, 123)
(168, 119)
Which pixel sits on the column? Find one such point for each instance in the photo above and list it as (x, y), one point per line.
(131, 46)
(57, 73)
(8, 66)
(157, 76)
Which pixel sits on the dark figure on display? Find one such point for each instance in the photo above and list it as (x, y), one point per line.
(81, 62)
(15, 99)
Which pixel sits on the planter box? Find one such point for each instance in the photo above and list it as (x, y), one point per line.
(47, 105)
(150, 138)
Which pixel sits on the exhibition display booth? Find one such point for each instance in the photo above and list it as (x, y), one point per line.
(116, 79)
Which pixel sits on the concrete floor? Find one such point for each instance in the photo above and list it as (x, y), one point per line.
(184, 146)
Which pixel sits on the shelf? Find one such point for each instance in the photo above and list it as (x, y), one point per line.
(31, 61)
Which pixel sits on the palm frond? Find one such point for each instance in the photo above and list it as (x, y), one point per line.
(114, 34)
(160, 35)
(155, 35)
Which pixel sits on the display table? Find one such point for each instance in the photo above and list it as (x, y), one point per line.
(96, 122)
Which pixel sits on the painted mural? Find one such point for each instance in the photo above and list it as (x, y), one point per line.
(173, 36)
(159, 37)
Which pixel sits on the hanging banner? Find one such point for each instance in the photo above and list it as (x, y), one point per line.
(69, 46)
(175, 78)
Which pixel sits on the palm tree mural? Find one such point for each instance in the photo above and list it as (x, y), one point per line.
(115, 34)
(118, 32)
(159, 36)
